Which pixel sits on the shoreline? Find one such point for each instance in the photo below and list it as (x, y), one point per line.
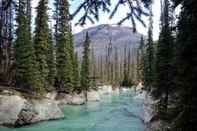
(32, 111)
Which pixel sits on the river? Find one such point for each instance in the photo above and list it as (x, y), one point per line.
(112, 113)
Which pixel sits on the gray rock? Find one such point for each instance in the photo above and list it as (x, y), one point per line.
(105, 90)
(17, 111)
(51, 95)
(10, 107)
(46, 109)
(71, 99)
(149, 107)
(150, 115)
(77, 99)
(157, 126)
(93, 95)
(26, 115)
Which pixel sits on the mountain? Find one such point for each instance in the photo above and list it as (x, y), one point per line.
(101, 35)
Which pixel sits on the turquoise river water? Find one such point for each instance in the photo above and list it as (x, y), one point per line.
(112, 113)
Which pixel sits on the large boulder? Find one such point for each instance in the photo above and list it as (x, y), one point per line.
(139, 88)
(10, 107)
(76, 99)
(116, 91)
(141, 95)
(124, 89)
(71, 99)
(158, 125)
(46, 109)
(51, 95)
(149, 107)
(63, 99)
(93, 95)
(105, 90)
(17, 111)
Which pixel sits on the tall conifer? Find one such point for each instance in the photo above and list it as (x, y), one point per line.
(27, 74)
(164, 69)
(85, 67)
(64, 61)
(76, 73)
(149, 58)
(41, 42)
(51, 60)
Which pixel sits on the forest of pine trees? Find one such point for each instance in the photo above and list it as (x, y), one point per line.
(167, 66)
(40, 60)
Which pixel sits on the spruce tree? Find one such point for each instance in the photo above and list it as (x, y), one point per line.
(29, 12)
(51, 60)
(186, 64)
(164, 68)
(71, 52)
(76, 73)
(125, 69)
(27, 74)
(41, 44)
(149, 58)
(64, 61)
(141, 60)
(85, 66)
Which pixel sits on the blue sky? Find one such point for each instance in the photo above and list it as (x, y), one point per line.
(104, 18)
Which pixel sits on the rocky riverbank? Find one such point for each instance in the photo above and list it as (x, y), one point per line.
(17, 110)
(150, 111)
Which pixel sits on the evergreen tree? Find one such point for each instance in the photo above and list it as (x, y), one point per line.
(141, 60)
(41, 44)
(64, 61)
(51, 60)
(76, 74)
(125, 81)
(164, 67)
(27, 74)
(28, 13)
(149, 66)
(71, 52)
(85, 66)
(186, 64)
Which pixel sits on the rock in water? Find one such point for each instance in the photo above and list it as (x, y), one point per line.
(46, 110)
(149, 107)
(26, 115)
(105, 90)
(17, 111)
(77, 99)
(10, 107)
(93, 95)
(141, 95)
